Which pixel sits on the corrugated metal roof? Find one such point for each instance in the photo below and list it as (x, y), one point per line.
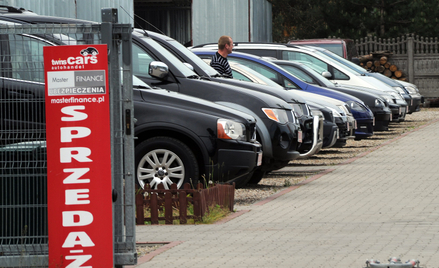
(80, 9)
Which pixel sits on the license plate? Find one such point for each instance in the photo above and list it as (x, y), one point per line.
(391, 117)
(259, 162)
(356, 126)
(299, 136)
(347, 125)
(373, 121)
(338, 134)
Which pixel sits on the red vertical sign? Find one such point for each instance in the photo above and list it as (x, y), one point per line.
(78, 156)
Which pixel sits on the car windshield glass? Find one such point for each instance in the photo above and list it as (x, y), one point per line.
(335, 48)
(139, 83)
(170, 57)
(344, 62)
(317, 75)
(194, 58)
(298, 73)
(266, 80)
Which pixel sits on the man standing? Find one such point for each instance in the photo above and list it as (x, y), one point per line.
(219, 60)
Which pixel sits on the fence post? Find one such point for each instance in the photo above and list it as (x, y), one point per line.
(183, 207)
(197, 206)
(140, 214)
(411, 59)
(168, 208)
(154, 208)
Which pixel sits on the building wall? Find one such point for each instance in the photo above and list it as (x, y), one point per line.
(243, 20)
(261, 17)
(80, 9)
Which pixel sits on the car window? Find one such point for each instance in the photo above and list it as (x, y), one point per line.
(264, 79)
(240, 76)
(338, 75)
(259, 52)
(316, 63)
(345, 62)
(141, 61)
(299, 56)
(335, 48)
(265, 71)
(165, 54)
(299, 74)
(197, 60)
(289, 84)
(25, 59)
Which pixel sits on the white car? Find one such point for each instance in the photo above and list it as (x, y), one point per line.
(340, 73)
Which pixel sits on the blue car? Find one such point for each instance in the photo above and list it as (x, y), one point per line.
(362, 114)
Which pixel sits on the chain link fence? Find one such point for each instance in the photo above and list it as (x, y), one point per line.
(23, 162)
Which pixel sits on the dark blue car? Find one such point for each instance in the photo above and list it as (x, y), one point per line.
(362, 114)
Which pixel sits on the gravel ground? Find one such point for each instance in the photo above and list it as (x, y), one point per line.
(279, 180)
(143, 248)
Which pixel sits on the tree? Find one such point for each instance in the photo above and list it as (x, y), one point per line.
(294, 18)
(299, 19)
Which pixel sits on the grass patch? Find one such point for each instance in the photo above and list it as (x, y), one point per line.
(215, 213)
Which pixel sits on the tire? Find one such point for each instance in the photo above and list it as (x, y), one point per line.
(256, 177)
(180, 165)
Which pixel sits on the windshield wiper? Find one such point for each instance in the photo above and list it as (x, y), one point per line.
(204, 77)
(141, 87)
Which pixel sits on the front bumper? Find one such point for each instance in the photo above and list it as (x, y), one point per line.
(317, 137)
(235, 160)
(415, 103)
(364, 129)
(346, 127)
(382, 118)
(284, 141)
(330, 134)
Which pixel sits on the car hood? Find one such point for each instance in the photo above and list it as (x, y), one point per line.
(371, 82)
(171, 98)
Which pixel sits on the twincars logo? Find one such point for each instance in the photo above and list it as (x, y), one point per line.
(89, 51)
(88, 56)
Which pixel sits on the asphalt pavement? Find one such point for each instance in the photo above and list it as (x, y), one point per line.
(383, 204)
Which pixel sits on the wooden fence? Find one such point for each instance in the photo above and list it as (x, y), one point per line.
(174, 200)
(416, 56)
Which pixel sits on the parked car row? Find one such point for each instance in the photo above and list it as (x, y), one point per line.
(192, 124)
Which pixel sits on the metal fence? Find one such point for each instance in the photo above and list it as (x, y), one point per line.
(23, 163)
(416, 56)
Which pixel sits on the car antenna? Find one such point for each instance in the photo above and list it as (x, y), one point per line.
(145, 33)
(144, 21)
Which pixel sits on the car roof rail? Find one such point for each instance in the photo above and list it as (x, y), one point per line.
(12, 9)
(203, 45)
(265, 43)
(249, 43)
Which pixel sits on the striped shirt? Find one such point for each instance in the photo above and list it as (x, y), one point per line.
(221, 65)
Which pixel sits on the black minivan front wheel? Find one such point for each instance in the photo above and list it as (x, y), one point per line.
(165, 160)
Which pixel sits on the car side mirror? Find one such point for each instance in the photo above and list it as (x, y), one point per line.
(327, 75)
(158, 69)
(189, 65)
